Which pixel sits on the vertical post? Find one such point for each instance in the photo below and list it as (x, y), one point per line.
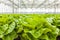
(55, 8)
(13, 7)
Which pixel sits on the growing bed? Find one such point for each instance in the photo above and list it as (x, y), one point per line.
(29, 26)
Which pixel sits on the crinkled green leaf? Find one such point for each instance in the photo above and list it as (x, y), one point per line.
(19, 29)
(4, 27)
(10, 28)
(45, 37)
(10, 36)
(34, 20)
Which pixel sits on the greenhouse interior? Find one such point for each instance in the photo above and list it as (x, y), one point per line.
(29, 19)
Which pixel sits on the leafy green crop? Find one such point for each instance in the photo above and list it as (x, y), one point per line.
(29, 26)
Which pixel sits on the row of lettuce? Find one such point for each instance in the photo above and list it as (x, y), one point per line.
(29, 26)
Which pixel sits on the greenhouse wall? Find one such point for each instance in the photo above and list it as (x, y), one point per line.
(28, 6)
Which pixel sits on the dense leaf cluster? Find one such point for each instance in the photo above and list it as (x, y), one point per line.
(29, 26)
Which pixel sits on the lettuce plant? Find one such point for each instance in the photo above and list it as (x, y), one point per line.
(29, 26)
